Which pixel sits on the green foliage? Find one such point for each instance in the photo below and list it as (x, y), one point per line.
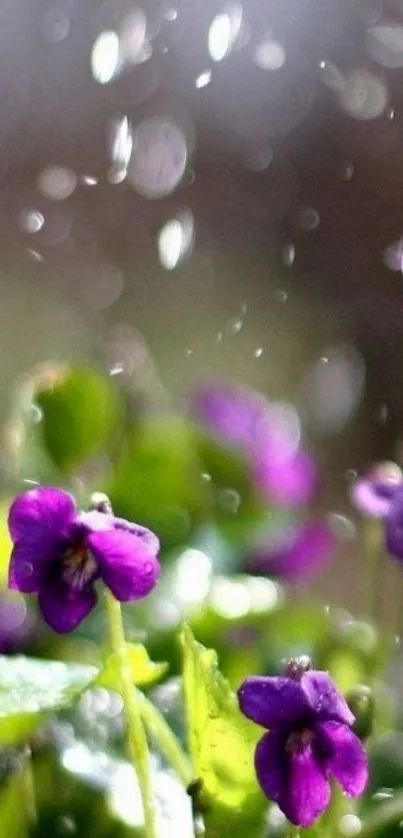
(143, 671)
(79, 414)
(30, 689)
(158, 479)
(222, 744)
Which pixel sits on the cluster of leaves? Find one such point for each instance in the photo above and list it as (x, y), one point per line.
(74, 427)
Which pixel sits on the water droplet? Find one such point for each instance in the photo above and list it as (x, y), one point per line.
(31, 221)
(281, 296)
(346, 170)
(383, 793)
(230, 500)
(351, 474)
(106, 57)
(57, 182)
(203, 79)
(258, 352)
(350, 825)
(288, 255)
(206, 477)
(55, 26)
(269, 55)
(308, 219)
(234, 326)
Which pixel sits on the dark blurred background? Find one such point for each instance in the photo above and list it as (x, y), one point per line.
(219, 185)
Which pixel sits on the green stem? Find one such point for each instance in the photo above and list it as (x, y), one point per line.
(374, 566)
(28, 791)
(383, 816)
(166, 739)
(137, 739)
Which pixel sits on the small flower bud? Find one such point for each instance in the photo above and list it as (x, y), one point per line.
(360, 700)
(295, 667)
(100, 503)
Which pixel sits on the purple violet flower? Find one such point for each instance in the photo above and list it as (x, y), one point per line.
(394, 526)
(297, 555)
(373, 494)
(59, 553)
(310, 741)
(268, 434)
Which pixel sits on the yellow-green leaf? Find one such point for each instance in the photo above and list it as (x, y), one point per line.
(144, 671)
(222, 744)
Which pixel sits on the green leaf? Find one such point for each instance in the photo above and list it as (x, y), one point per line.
(222, 744)
(143, 671)
(30, 688)
(79, 413)
(158, 479)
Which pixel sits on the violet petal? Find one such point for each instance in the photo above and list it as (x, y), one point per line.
(345, 759)
(288, 481)
(308, 792)
(126, 564)
(27, 567)
(42, 513)
(270, 763)
(270, 700)
(147, 536)
(62, 609)
(324, 698)
(394, 527)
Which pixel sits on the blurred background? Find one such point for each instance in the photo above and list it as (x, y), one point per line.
(217, 186)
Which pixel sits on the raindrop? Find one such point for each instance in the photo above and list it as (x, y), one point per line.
(308, 218)
(224, 31)
(393, 256)
(233, 326)
(120, 149)
(346, 170)
(206, 477)
(56, 182)
(331, 76)
(105, 57)
(55, 26)
(281, 296)
(258, 159)
(364, 95)
(159, 158)
(230, 500)
(67, 825)
(89, 180)
(351, 474)
(31, 221)
(258, 352)
(269, 55)
(203, 79)
(342, 526)
(175, 240)
(288, 255)
(383, 793)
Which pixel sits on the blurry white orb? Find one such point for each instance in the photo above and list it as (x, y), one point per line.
(393, 256)
(132, 36)
(159, 157)
(385, 44)
(31, 221)
(175, 241)
(364, 95)
(57, 182)
(105, 57)
(269, 55)
(288, 255)
(120, 149)
(334, 388)
(350, 825)
(223, 32)
(203, 79)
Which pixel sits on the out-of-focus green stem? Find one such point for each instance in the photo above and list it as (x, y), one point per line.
(137, 740)
(28, 791)
(374, 560)
(166, 739)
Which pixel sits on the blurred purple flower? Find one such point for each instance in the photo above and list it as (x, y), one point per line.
(394, 526)
(373, 495)
(17, 625)
(59, 553)
(310, 741)
(305, 551)
(268, 434)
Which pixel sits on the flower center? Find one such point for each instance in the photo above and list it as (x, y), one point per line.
(79, 567)
(298, 740)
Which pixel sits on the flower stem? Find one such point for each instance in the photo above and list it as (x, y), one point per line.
(383, 816)
(374, 565)
(137, 739)
(28, 790)
(166, 739)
